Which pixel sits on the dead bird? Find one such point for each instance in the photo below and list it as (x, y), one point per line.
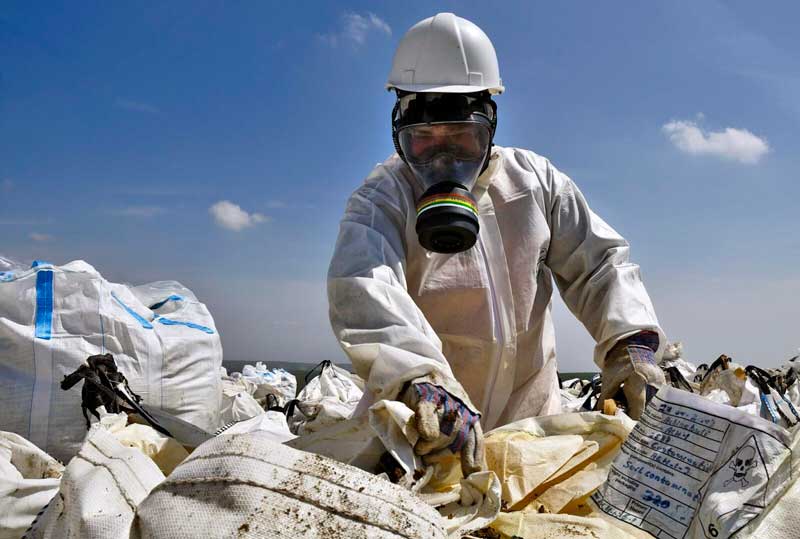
(104, 385)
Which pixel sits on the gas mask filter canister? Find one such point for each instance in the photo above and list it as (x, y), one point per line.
(447, 219)
(445, 140)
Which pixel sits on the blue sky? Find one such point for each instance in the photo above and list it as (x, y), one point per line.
(123, 125)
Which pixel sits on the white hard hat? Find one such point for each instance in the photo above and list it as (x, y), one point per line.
(447, 54)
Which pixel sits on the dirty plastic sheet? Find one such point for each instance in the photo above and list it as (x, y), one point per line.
(693, 468)
(477, 507)
(29, 478)
(362, 440)
(393, 422)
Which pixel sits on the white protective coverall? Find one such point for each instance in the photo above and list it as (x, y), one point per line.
(482, 316)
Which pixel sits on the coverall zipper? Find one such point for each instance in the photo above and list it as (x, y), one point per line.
(499, 330)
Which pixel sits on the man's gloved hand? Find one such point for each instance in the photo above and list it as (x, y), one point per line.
(444, 423)
(632, 365)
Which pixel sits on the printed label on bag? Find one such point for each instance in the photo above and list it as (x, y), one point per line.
(693, 468)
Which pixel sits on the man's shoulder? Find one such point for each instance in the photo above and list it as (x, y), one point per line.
(388, 174)
(526, 171)
(521, 158)
(385, 185)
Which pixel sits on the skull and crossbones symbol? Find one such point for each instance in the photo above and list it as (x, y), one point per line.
(741, 463)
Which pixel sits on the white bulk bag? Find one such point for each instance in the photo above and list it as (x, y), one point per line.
(694, 468)
(327, 399)
(29, 479)
(237, 403)
(783, 518)
(53, 317)
(245, 485)
(278, 382)
(99, 492)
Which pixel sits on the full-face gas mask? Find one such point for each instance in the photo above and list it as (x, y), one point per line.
(445, 139)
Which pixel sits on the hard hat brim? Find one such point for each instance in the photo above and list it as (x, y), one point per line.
(446, 89)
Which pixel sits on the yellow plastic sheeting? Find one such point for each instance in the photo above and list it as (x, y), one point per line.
(570, 495)
(531, 525)
(523, 461)
(553, 463)
(446, 471)
(163, 450)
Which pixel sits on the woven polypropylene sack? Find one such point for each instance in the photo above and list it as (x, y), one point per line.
(29, 478)
(327, 399)
(99, 491)
(237, 404)
(248, 486)
(278, 382)
(53, 317)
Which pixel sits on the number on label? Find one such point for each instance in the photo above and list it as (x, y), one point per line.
(655, 499)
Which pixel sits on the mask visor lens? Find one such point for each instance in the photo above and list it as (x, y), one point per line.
(459, 141)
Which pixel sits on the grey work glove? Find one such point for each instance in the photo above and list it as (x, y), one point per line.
(445, 423)
(632, 365)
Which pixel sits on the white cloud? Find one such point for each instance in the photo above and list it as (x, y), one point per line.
(6, 185)
(355, 28)
(136, 106)
(138, 211)
(231, 216)
(730, 143)
(39, 237)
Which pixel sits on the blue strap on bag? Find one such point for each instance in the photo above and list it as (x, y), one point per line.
(44, 304)
(139, 318)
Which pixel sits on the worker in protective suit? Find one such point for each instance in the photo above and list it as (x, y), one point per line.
(441, 280)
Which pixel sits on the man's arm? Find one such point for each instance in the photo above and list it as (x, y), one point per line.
(590, 262)
(379, 326)
(391, 344)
